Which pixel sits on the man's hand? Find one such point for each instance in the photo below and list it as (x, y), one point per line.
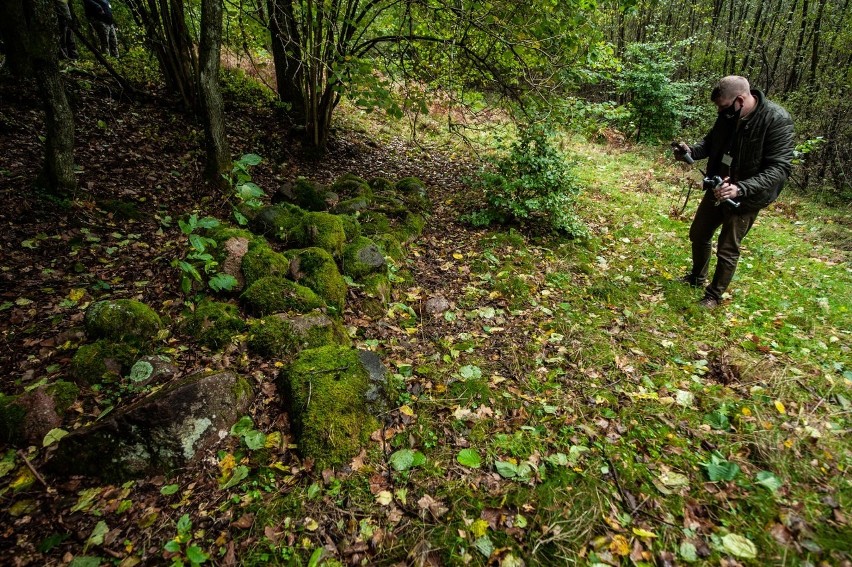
(680, 151)
(726, 191)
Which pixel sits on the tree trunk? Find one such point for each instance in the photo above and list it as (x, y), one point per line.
(287, 54)
(13, 32)
(212, 111)
(58, 171)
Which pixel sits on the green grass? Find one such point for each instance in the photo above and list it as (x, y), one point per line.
(599, 371)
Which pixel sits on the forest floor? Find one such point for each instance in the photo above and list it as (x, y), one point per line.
(573, 405)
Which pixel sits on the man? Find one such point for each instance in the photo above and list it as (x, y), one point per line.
(751, 148)
(67, 45)
(99, 14)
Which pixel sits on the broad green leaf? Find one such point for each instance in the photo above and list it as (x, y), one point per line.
(718, 420)
(169, 489)
(87, 496)
(250, 159)
(769, 480)
(484, 546)
(688, 552)
(172, 546)
(739, 546)
(240, 473)
(557, 459)
(254, 439)
(184, 524)
(316, 557)
(199, 243)
(208, 222)
(222, 281)
(721, 469)
(7, 463)
(97, 535)
(196, 555)
(506, 469)
(242, 426)
(53, 436)
(405, 459)
(470, 371)
(469, 458)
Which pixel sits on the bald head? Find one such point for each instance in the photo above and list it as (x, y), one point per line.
(729, 88)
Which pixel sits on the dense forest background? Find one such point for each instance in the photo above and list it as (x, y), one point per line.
(641, 68)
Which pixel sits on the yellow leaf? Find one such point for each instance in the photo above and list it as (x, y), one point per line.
(619, 546)
(76, 294)
(478, 528)
(227, 464)
(643, 533)
(384, 497)
(746, 412)
(780, 407)
(458, 256)
(411, 330)
(273, 440)
(407, 411)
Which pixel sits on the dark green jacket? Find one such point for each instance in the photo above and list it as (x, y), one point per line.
(762, 152)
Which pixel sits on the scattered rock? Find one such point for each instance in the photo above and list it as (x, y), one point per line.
(159, 434)
(122, 320)
(436, 305)
(233, 251)
(362, 257)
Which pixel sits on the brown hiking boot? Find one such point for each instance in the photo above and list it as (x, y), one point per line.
(709, 303)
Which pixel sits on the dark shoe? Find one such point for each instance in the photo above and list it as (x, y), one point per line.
(709, 303)
(692, 281)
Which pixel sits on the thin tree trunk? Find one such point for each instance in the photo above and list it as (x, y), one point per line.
(287, 54)
(212, 111)
(58, 171)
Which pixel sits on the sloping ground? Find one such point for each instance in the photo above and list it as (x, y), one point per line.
(572, 404)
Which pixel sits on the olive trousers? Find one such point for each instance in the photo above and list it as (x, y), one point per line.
(735, 225)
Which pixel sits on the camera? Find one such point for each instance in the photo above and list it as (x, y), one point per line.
(711, 183)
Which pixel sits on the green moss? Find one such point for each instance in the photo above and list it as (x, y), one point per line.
(273, 295)
(272, 337)
(375, 223)
(63, 393)
(410, 185)
(362, 257)
(351, 227)
(327, 389)
(323, 230)
(242, 390)
(224, 232)
(309, 195)
(316, 269)
(276, 220)
(412, 227)
(102, 362)
(352, 206)
(390, 245)
(381, 185)
(262, 261)
(377, 287)
(390, 206)
(122, 320)
(350, 185)
(214, 323)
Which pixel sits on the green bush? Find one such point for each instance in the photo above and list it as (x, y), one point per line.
(534, 182)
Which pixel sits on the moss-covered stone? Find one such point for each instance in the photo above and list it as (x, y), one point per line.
(273, 295)
(225, 232)
(333, 403)
(377, 289)
(414, 193)
(122, 320)
(323, 230)
(276, 221)
(351, 227)
(390, 206)
(390, 245)
(315, 268)
(309, 195)
(350, 185)
(352, 206)
(362, 257)
(373, 223)
(381, 185)
(412, 227)
(102, 362)
(262, 261)
(281, 335)
(64, 394)
(213, 323)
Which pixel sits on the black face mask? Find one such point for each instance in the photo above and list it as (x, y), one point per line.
(730, 112)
